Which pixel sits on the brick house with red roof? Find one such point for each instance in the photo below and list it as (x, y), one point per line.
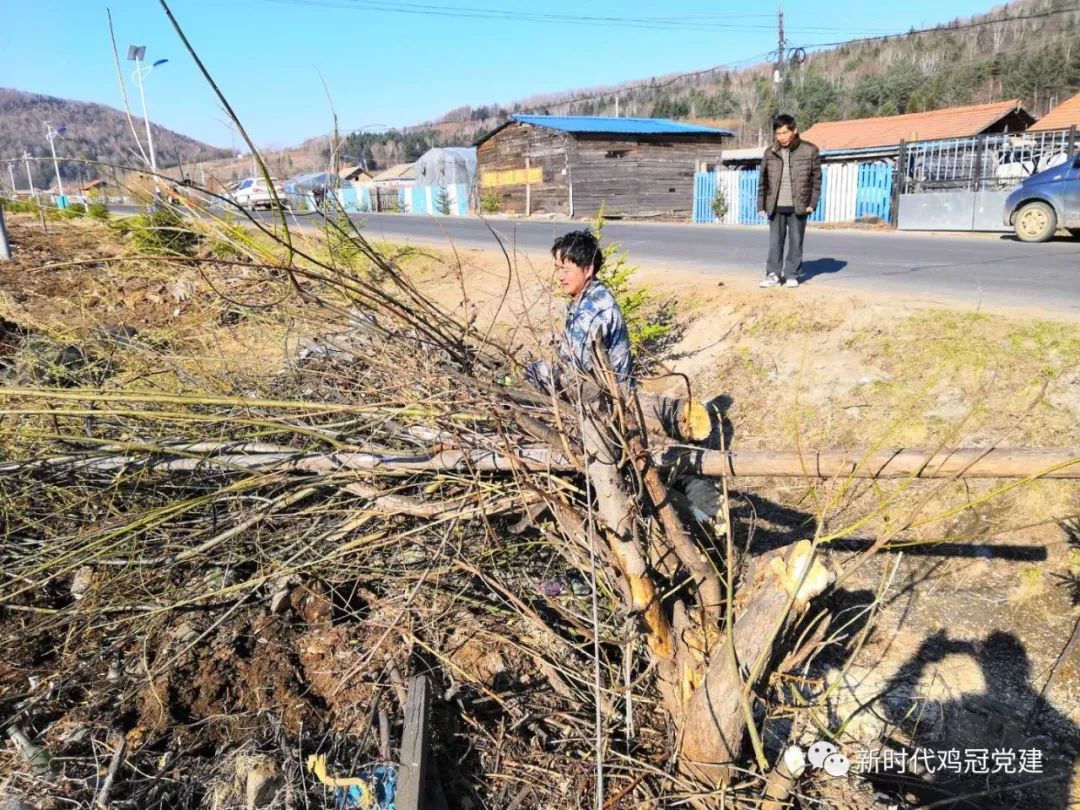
(890, 130)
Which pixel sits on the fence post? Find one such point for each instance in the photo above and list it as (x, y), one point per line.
(5, 248)
(899, 178)
(977, 162)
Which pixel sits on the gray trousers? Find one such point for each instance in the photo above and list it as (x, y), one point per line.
(789, 228)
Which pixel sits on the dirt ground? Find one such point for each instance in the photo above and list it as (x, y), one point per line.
(978, 622)
(972, 641)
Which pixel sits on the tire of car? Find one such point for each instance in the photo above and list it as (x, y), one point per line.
(1035, 222)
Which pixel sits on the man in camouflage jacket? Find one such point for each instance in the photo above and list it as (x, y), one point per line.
(593, 322)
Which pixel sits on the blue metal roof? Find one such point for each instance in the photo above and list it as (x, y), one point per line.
(617, 126)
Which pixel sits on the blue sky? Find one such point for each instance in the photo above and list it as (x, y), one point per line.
(395, 68)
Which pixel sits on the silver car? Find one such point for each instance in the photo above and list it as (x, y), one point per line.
(254, 193)
(1045, 202)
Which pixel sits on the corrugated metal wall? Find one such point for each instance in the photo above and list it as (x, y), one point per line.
(848, 191)
(413, 200)
(839, 189)
(875, 190)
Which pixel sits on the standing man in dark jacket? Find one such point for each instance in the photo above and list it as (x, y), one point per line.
(788, 193)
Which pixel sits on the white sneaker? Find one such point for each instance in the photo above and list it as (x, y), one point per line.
(770, 281)
(791, 282)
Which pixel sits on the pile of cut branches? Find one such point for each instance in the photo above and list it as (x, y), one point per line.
(255, 574)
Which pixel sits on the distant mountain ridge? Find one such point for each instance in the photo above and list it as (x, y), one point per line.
(94, 132)
(1027, 49)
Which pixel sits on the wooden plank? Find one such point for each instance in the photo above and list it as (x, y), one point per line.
(413, 769)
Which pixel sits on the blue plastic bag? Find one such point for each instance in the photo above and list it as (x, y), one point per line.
(378, 795)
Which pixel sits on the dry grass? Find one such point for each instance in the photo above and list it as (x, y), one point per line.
(156, 550)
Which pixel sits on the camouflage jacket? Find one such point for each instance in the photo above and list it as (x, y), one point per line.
(595, 316)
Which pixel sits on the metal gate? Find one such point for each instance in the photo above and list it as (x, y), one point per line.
(960, 184)
(387, 199)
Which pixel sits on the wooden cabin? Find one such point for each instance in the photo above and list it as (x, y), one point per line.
(574, 165)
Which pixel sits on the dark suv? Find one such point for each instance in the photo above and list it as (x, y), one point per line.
(1045, 202)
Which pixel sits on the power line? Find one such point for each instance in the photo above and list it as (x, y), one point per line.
(758, 58)
(429, 8)
(656, 85)
(442, 11)
(948, 28)
(681, 23)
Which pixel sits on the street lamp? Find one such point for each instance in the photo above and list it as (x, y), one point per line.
(136, 54)
(50, 134)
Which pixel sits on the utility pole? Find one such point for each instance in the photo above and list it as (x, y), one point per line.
(11, 174)
(50, 134)
(781, 49)
(29, 177)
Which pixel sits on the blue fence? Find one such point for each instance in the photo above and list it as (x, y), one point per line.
(355, 200)
(748, 199)
(848, 191)
(705, 184)
(874, 197)
(453, 200)
(822, 206)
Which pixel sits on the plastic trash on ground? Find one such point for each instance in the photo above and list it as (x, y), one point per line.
(372, 789)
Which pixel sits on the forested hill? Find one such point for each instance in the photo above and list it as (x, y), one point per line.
(1029, 49)
(93, 132)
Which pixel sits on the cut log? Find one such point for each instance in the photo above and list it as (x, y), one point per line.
(706, 579)
(714, 720)
(967, 462)
(615, 511)
(997, 462)
(714, 725)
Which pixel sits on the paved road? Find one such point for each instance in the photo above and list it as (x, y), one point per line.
(973, 269)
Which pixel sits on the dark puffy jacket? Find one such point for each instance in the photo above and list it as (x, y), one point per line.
(805, 177)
